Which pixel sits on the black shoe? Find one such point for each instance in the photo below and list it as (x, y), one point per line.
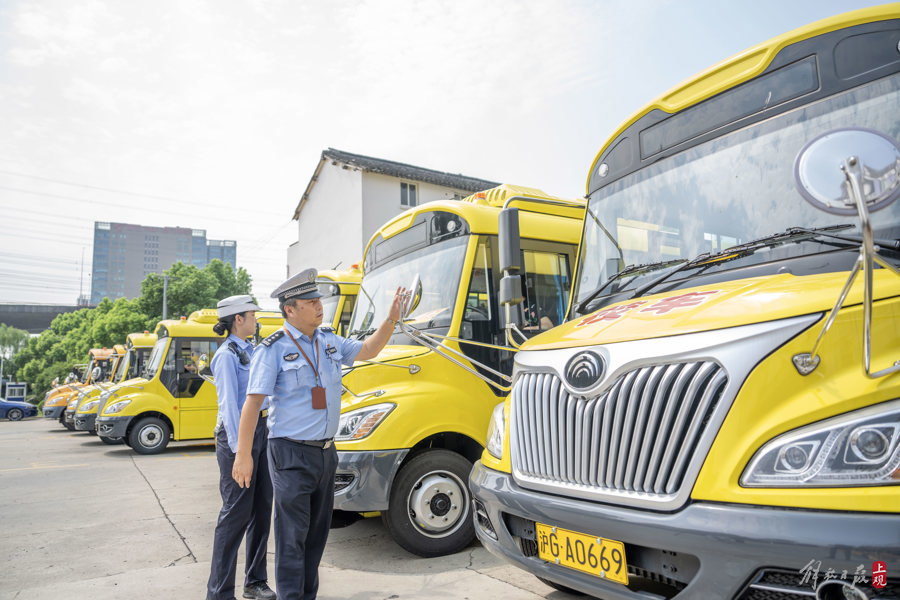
(260, 591)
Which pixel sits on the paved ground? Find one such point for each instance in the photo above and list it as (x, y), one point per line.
(80, 519)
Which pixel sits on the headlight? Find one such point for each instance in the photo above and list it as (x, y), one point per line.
(89, 406)
(116, 407)
(496, 432)
(72, 403)
(858, 448)
(359, 423)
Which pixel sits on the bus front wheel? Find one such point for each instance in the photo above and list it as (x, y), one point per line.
(150, 435)
(430, 508)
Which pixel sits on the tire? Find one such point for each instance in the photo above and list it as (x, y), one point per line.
(67, 425)
(112, 441)
(150, 435)
(430, 509)
(15, 414)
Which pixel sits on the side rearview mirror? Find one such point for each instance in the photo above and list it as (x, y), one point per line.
(509, 241)
(821, 174)
(415, 291)
(203, 365)
(203, 368)
(851, 172)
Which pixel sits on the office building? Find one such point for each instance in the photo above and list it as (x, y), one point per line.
(124, 254)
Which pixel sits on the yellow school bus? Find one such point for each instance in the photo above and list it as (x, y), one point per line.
(97, 370)
(339, 289)
(172, 400)
(88, 393)
(413, 420)
(133, 355)
(720, 415)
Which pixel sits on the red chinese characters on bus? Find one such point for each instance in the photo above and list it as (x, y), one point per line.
(682, 301)
(609, 314)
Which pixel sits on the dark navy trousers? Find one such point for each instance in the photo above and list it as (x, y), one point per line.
(245, 512)
(303, 482)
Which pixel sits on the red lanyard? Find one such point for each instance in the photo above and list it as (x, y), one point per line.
(315, 347)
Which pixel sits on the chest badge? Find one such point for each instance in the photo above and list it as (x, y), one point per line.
(330, 350)
(290, 357)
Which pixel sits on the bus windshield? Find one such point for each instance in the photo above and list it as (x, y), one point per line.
(122, 367)
(725, 192)
(438, 266)
(156, 358)
(330, 300)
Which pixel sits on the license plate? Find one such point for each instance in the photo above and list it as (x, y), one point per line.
(598, 556)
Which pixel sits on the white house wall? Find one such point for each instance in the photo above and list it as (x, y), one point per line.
(381, 202)
(329, 229)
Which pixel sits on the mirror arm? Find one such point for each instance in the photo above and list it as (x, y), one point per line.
(413, 369)
(806, 363)
(431, 338)
(510, 327)
(442, 350)
(376, 393)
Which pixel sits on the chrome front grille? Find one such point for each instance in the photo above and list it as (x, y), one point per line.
(635, 439)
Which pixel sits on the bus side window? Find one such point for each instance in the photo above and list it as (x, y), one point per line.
(546, 289)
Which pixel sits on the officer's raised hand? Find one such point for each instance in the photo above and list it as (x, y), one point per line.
(375, 342)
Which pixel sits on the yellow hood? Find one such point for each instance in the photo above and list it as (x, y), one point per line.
(727, 304)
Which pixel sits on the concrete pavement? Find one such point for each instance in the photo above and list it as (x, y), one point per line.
(81, 519)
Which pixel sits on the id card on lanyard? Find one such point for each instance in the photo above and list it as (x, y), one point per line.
(318, 392)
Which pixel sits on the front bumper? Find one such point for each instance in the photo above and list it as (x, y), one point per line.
(363, 479)
(85, 421)
(704, 550)
(112, 427)
(70, 416)
(53, 412)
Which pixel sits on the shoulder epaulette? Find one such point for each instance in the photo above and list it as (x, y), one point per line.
(273, 338)
(326, 329)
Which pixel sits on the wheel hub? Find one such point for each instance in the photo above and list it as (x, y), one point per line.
(436, 502)
(150, 436)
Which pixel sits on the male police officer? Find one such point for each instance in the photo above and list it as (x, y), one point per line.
(299, 368)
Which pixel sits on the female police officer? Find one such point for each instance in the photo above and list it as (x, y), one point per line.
(244, 509)
(299, 368)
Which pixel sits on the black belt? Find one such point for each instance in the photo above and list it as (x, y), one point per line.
(323, 444)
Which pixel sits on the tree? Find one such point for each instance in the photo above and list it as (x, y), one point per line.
(191, 289)
(71, 335)
(11, 339)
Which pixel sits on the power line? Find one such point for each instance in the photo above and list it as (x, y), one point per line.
(178, 201)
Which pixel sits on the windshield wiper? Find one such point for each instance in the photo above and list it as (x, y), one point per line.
(361, 333)
(746, 249)
(856, 239)
(618, 275)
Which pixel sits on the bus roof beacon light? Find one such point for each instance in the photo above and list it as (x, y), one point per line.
(851, 172)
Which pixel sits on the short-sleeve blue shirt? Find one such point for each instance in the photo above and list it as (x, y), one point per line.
(231, 379)
(279, 370)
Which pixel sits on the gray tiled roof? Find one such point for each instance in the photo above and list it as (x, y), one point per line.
(405, 171)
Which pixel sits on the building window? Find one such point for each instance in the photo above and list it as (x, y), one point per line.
(407, 194)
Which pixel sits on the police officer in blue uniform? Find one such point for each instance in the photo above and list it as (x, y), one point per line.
(246, 511)
(299, 369)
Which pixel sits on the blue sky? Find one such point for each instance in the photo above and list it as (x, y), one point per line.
(212, 114)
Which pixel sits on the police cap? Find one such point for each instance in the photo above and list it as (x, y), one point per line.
(233, 305)
(302, 285)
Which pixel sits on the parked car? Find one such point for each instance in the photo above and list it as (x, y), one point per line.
(15, 410)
